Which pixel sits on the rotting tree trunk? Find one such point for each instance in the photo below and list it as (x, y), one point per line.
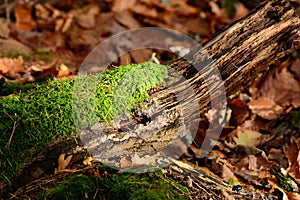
(227, 63)
(239, 53)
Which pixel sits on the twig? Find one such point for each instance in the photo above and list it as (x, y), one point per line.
(176, 187)
(11, 135)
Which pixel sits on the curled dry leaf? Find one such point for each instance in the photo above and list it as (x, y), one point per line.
(63, 163)
(266, 108)
(281, 85)
(293, 156)
(63, 70)
(240, 111)
(11, 67)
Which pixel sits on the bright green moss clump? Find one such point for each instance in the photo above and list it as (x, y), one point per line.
(33, 116)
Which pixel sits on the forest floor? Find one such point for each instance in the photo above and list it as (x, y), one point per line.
(41, 49)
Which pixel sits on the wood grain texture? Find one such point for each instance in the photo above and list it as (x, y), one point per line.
(227, 63)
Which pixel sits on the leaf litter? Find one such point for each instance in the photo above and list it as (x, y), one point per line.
(243, 153)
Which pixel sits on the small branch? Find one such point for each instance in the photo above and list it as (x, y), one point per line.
(177, 188)
(11, 135)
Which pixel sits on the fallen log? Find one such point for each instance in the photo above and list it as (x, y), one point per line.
(227, 63)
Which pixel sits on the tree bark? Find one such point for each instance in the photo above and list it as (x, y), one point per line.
(227, 63)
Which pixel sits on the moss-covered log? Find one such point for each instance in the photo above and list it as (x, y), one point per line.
(232, 59)
(240, 52)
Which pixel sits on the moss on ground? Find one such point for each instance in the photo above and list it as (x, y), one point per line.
(32, 115)
(114, 186)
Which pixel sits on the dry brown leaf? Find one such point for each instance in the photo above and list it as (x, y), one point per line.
(227, 173)
(248, 138)
(293, 156)
(120, 5)
(41, 11)
(215, 8)
(141, 55)
(126, 19)
(68, 23)
(278, 155)
(63, 70)
(281, 86)
(145, 11)
(254, 164)
(293, 196)
(12, 67)
(240, 111)
(86, 20)
(265, 108)
(63, 163)
(23, 16)
(40, 67)
(182, 8)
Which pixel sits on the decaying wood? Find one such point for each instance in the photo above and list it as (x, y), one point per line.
(227, 63)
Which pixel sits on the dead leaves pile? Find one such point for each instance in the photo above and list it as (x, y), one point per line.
(71, 29)
(251, 144)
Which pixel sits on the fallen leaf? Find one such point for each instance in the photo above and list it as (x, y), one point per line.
(247, 138)
(41, 11)
(215, 8)
(293, 196)
(63, 163)
(240, 111)
(293, 156)
(23, 16)
(266, 108)
(11, 67)
(63, 70)
(127, 19)
(277, 155)
(86, 21)
(120, 5)
(281, 86)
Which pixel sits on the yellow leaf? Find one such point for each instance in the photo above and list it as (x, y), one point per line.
(63, 163)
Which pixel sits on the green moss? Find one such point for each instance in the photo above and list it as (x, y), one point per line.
(295, 117)
(33, 115)
(114, 186)
(284, 181)
(230, 8)
(44, 55)
(37, 55)
(13, 53)
(133, 82)
(75, 187)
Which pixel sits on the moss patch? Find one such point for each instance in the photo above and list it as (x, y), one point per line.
(114, 186)
(33, 115)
